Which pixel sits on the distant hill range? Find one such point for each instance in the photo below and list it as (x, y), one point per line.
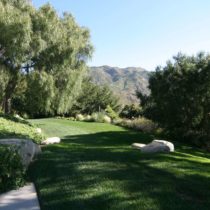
(123, 81)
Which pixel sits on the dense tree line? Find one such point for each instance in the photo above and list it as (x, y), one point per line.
(180, 97)
(42, 59)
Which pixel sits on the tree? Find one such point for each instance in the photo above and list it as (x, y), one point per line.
(40, 40)
(94, 98)
(39, 94)
(67, 89)
(180, 96)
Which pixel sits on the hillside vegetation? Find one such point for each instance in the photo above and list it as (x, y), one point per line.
(123, 81)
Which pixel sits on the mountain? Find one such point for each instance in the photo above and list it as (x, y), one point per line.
(123, 81)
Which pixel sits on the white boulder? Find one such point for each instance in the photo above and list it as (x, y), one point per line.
(138, 146)
(158, 146)
(27, 149)
(155, 146)
(52, 140)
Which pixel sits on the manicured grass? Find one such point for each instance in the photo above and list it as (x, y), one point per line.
(94, 168)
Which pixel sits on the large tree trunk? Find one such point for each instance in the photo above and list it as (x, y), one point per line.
(6, 106)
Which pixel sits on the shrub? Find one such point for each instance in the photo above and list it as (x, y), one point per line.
(80, 117)
(12, 172)
(100, 117)
(141, 124)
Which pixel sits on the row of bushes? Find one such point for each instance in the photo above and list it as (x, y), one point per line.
(140, 123)
(100, 117)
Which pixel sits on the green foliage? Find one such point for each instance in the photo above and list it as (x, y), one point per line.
(15, 33)
(180, 97)
(12, 172)
(39, 94)
(131, 111)
(38, 40)
(11, 127)
(68, 86)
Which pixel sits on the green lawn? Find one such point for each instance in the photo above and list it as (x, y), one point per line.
(94, 168)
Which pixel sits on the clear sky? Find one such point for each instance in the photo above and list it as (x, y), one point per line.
(143, 33)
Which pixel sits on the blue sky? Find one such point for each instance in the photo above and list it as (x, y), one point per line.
(143, 33)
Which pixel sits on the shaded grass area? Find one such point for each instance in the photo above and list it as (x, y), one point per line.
(95, 168)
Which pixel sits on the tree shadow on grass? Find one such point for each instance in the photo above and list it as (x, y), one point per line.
(101, 171)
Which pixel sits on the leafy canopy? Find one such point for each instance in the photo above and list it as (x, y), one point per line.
(38, 40)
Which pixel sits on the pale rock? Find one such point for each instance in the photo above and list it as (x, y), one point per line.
(158, 146)
(27, 149)
(138, 146)
(52, 140)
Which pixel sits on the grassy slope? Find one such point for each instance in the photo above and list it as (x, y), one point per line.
(95, 169)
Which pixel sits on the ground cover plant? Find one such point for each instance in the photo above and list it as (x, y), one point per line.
(95, 168)
(12, 127)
